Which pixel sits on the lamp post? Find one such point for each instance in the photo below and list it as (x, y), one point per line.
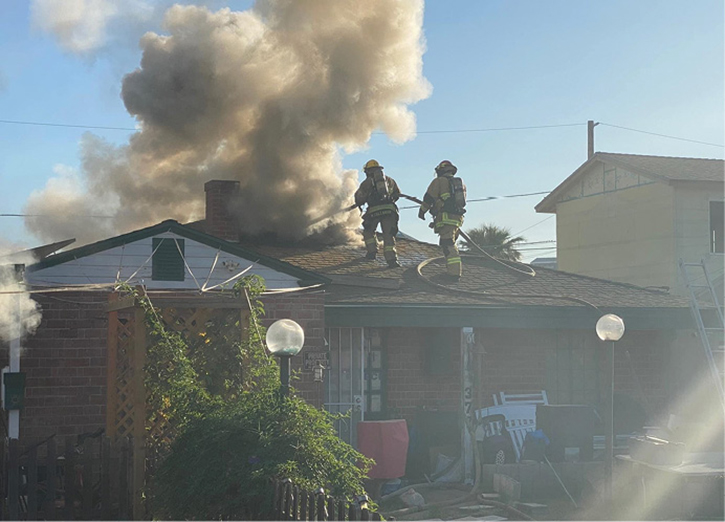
(610, 328)
(284, 340)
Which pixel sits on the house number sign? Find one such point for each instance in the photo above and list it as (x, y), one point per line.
(311, 358)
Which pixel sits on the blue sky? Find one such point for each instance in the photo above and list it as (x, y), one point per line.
(651, 65)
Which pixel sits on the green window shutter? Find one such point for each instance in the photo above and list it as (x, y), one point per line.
(167, 263)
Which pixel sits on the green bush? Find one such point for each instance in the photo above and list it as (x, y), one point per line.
(221, 466)
(232, 432)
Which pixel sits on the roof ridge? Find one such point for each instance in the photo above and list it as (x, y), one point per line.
(658, 156)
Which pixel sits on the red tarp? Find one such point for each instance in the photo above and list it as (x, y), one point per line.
(387, 443)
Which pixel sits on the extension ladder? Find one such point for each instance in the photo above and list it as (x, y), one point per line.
(703, 297)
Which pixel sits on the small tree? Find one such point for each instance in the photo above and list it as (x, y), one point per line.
(495, 241)
(232, 431)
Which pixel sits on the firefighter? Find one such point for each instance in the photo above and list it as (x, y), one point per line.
(446, 199)
(380, 193)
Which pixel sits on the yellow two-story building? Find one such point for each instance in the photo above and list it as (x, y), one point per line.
(631, 218)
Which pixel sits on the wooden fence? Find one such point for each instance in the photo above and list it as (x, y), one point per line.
(88, 481)
(293, 503)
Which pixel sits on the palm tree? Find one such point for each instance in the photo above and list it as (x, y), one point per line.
(495, 241)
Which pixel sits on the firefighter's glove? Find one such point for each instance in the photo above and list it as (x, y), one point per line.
(421, 214)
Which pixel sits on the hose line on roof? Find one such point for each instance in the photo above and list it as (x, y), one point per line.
(529, 271)
(483, 293)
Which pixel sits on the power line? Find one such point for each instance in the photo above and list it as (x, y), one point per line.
(496, 129)
(489, 198)
(68, 125)
(663, 135)
(52, 216)
(535, 224)
(433, 131)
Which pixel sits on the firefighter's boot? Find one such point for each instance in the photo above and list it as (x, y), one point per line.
(371, 243)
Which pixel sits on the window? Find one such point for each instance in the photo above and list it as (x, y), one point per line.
(717, 245)
(439, 350)
(167, 263)
(573, 369)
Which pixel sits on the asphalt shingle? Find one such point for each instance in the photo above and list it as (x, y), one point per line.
(484, 282)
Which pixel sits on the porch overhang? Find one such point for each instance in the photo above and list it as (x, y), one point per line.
(523, 317)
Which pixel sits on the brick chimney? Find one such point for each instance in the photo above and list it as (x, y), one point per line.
(220, 222)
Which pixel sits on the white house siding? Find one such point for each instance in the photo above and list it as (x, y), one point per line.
(692, 227)
(619, 226)
(103, 267)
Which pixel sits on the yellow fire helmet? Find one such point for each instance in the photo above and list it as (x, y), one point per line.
(371, 164)
(445, 167)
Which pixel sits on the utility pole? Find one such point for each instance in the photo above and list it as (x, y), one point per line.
(590, 138)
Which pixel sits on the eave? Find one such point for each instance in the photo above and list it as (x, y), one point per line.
(523, 317)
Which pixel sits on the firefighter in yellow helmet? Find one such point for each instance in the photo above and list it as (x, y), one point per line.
(380, 193)
(446, 201)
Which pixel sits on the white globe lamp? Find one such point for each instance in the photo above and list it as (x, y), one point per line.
(285, 339)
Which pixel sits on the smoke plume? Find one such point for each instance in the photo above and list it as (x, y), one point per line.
(270, 97)
(82, 26)
(19, 314)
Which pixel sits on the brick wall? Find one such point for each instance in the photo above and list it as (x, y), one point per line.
(309, 311)
(517, 361)
(65, 366)
(65, 360)
(512, 361)
(409, 386)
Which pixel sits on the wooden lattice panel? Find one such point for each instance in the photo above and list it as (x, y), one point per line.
(121, 379)
(128, 414)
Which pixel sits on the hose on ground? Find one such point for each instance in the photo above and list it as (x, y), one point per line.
(472, 494)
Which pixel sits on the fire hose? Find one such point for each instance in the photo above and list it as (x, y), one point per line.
(529, 271)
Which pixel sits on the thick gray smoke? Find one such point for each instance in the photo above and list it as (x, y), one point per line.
(19, 314)
(270, 97)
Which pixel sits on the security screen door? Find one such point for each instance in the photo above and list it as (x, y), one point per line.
(344, 382)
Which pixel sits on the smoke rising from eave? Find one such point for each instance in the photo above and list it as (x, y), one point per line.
(19, 314)
(269, 97)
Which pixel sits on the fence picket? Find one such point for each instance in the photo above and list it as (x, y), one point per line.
(311, 506)
(331, 511)
(365, 514)
(303, 505)
(105, 479)
(295, 503)
(352, 512)
(32, 490)
(277, 485)
(52, 480)
(341, 509)
(69, 476)
(13, 479)
(87, 480)
(320, 501)
(287, 505)
(123, 496)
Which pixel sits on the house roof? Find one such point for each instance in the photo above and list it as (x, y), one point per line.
(184, 231)
(360, 292)
(363, 290)
(36, 253)
(661, 168)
